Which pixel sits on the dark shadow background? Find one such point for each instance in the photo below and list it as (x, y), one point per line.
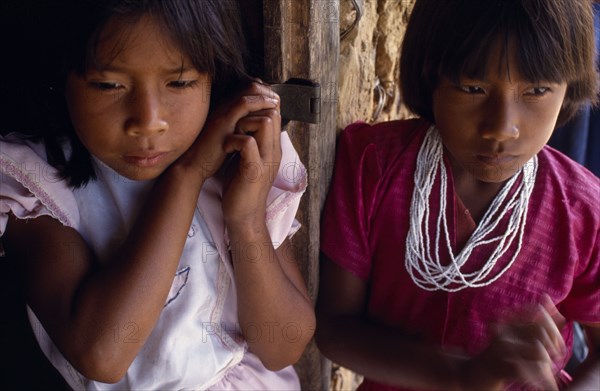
(23, 30)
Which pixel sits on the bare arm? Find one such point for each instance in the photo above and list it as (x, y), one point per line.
(81, 303)
(378, 352)
(275, 312)
(521, 351)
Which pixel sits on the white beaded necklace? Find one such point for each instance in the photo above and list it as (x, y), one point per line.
(423, 262)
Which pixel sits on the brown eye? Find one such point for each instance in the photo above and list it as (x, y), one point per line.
(538, 91)
(183, 83)
(472, 89)
(105, 86)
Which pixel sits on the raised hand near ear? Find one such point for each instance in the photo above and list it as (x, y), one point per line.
(227, 125)
(256, 141)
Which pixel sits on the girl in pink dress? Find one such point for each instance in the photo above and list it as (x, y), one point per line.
(459, 249)
(153, 221)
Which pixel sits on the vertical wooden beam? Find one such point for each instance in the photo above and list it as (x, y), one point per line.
(301, 40)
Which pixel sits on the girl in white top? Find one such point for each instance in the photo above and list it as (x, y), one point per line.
(154, 222)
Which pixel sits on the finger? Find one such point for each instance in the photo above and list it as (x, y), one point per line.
(251, 103)
(266, 129)
(549, 306)
(538, 325)
(528, 363)
(540, 374)
(527, 342)
(261, 112)
(224, 119)
(545, 328)
(254, 98)
(251, 167)
(544, 332)
(537, 374)
(527, 338)
(261, 89)
(245, 145)
(552, 331)
(275, 141)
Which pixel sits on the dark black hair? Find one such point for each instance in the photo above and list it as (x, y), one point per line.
(208, 31)
(452, 38)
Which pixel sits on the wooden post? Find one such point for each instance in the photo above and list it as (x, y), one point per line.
(301, 40)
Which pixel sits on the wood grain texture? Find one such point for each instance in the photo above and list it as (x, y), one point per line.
(301, 39)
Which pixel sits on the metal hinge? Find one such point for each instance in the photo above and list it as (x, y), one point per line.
(300, 100)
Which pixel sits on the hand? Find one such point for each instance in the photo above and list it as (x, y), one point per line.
(208, 152)
(522, 350)
(256, 141)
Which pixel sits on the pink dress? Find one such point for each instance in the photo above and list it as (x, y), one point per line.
(365, 225)
(196, 342)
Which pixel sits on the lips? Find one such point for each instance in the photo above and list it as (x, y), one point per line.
(145, 158)
(495, 159)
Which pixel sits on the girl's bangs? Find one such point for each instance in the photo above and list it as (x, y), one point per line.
(542, 50)
(178, 19)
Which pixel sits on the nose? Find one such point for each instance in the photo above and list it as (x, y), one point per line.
(145, 116)
(501, 122)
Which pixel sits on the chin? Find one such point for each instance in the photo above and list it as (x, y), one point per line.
(140, 174)
(494, 174)
(498, 178)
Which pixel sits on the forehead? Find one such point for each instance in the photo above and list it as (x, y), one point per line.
(136, 42)
(502, 60)
(504, 56)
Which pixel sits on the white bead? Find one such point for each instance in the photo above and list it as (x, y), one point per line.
(423, 252)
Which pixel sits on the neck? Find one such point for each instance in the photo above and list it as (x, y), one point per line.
(476, 195)
(421, 257)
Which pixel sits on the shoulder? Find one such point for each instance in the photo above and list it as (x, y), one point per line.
(568, 210)
(31, 187)
(566, 204)
(16, 148)
(369, 154)
(573, 185)
(384, 135)
(380, 144)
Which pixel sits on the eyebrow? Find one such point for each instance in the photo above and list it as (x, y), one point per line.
(167, 71)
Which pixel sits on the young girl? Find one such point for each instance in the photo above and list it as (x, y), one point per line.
(459, 249)
(158, 262)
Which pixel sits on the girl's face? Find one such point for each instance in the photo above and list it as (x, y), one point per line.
(144, 104)
(492, 127)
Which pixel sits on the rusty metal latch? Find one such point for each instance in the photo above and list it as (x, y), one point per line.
(300, 100)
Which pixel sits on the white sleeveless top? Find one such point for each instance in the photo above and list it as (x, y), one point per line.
(196, 342)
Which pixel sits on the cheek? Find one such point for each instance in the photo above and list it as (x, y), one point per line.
(191, 114)
(449, 113)
(452, 125)
(91, 129)
(88, 115)
(78, 100)
(97, 142)
(542, 122)
(187, 122)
